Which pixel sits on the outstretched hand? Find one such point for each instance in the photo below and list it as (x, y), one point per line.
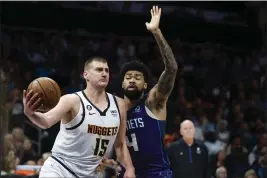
(153, 25)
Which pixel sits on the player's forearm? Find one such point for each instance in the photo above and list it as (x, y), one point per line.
(39, 119)
(167, 78)
(123, 156)
(166, 52)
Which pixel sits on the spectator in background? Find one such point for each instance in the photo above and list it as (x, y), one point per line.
(168, 139)
(10, 162)
(30, 163)
(237, 158)
(188, 157)
(217, 161)
(199, 124)
(8, 142)
(221, 172)
(260, 164)
(262, 142)
(248, 137)
(250, 174)
(262, 171)
(40, 162)
(222, 132)
(213, 144)
(18, 138)
(16, 114)
(46, 155)
(28, 153)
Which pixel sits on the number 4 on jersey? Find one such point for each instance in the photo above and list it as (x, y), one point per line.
(133, 143)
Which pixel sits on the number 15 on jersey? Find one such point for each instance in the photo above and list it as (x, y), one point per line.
(133, 142)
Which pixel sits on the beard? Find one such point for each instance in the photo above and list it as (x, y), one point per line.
(133, 95)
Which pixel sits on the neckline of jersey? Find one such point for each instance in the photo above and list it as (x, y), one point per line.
(102, 113)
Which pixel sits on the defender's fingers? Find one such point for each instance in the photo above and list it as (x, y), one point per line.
(113, 162)
(159, 11)
(100, 167)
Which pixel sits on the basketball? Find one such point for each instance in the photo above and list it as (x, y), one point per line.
(48, 90)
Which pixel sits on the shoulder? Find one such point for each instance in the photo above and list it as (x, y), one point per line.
(199, 143)
(173, 147)
(69, 102)
(119, 100)
(175, 144)
(70, 97)
(121, 103)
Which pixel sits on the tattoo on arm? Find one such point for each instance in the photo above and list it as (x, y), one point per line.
(167, 78)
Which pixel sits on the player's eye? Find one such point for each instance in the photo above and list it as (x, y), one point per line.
(128, 77)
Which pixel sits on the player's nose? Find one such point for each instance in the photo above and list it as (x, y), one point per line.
(132, 81)
(104, 74)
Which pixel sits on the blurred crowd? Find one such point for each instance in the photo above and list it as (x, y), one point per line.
(222, 89)
(18, 150)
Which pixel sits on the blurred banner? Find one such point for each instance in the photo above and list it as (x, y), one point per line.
(231, 18)
(128, 19)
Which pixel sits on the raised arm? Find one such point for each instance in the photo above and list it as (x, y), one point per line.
(32, 102)
(167, 79)
(122, 152)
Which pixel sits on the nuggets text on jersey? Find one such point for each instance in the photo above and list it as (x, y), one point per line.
(104, 131)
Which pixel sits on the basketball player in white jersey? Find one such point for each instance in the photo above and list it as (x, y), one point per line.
(92, 121)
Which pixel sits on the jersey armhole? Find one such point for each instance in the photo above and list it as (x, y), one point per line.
(116, 102)
(83, 115)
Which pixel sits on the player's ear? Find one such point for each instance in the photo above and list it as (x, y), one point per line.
(85, 75)
(145, 86)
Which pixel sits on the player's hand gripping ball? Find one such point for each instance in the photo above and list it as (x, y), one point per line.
(42, 95)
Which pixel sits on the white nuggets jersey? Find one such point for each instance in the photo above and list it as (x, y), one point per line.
(82, 143)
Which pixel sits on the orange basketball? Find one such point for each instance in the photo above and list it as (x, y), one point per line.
(48, 90)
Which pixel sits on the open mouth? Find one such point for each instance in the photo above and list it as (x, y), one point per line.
(132, 87)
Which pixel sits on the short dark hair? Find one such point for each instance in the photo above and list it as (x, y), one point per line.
(91, 59)
(137, 66)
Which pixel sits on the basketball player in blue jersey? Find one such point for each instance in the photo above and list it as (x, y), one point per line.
(146, 116)
(92, 121)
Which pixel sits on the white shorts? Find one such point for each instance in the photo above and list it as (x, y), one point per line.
(52, 168)
(55, 168)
